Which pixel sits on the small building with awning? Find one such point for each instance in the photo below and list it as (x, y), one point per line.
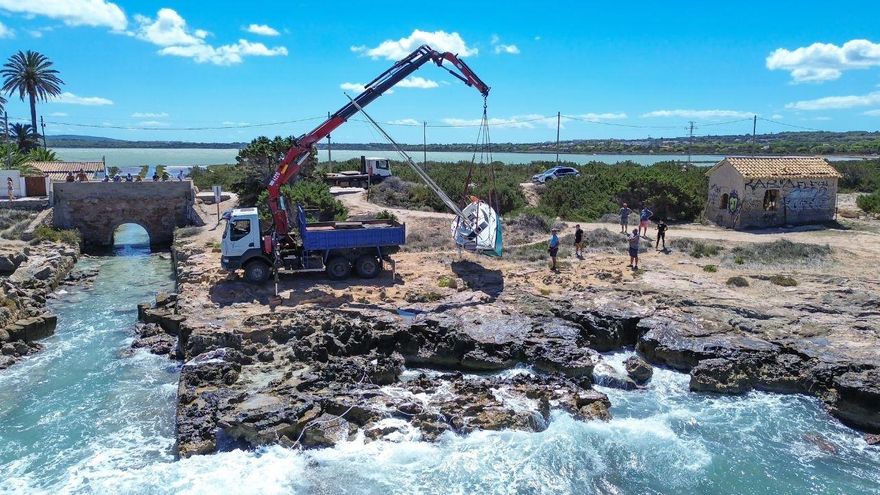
(57, 171)
(771, 191)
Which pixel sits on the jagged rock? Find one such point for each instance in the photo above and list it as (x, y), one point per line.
(872, 439)
(856, 398)
(605, 375)
(44, 272)
(638, 369)
(8, 349)
(720, 375)
(33, 328)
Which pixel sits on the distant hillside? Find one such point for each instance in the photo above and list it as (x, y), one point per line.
(74, 141)
(794, 143)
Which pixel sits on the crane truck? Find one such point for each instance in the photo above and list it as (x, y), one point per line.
(337, 248)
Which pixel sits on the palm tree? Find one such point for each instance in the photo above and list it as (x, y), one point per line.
(30, 73)
(40, 155)
(24, 136)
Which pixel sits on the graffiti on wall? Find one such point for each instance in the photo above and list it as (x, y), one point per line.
(733, 202)
(797, 195)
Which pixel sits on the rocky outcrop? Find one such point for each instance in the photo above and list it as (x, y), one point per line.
(639, 370)
(36, 271)
(314, 377)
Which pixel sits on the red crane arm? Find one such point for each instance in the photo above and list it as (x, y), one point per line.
(292, 162)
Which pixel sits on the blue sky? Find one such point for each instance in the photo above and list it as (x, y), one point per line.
(624, 69)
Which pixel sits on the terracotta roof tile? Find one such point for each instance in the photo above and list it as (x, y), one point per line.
(756, 167)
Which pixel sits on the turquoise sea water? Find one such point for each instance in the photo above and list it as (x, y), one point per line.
(85, 416)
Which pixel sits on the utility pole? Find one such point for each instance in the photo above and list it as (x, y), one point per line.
(754, 129)
(43, 126)
(329, 150)
(558, 121)
(424, 143)
(690, 142)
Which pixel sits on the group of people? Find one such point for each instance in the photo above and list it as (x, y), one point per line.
(633, 239)
(82, 177)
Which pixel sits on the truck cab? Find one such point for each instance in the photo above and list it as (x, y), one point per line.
(377, 168)
(242, 242)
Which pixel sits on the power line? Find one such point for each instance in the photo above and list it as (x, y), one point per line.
(792, 125)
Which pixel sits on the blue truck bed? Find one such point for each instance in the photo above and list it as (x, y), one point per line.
(349, 235)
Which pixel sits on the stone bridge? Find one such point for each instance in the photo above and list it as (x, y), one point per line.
(98, 208)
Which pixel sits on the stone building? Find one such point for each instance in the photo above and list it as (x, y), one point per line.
(771, 191)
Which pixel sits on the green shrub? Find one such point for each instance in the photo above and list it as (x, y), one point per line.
(695, 247)
(783, 280)
(869, 203)
(710, 268)
(65, 236)
(739, 260)
(781, 251)
(670, 192)
(858, 175)
(387, 215)
(447, 282)
(529, 220)
(737, 281)
(313, 195)
(225, 176)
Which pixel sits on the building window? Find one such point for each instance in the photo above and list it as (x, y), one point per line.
(770, 198)
(724, 200)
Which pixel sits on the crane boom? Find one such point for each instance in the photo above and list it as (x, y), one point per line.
(302, 146)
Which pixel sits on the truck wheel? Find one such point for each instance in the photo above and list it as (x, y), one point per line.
(338, 268)
(367, 266)
(257, 272)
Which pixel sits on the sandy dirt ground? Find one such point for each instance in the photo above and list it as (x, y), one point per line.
(436, 270)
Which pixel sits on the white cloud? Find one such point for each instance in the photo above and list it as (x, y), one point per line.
(72, 99)
(873, 113)
(6, 32)
(602, 116)
(262, 29)
(356, 87)
(417, 82)
(502, 48)
(58, 114)
(152, 123)
(149, 115)
(438, 40)
(405, 122)
(777, 116)
(699, 114)
(837, 102)
(230, 123)
(824, 61)
(509, 49)
(537, 38)
(515, 122)
(169, 30)
(36, 33)
(72, 12)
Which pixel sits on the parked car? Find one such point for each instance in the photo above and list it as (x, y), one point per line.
(555, 173)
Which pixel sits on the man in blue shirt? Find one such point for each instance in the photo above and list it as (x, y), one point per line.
(644, 217)
(553, 248)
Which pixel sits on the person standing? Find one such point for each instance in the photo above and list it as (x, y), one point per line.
(81, 176)
(624, 218)
(70, 177)
(180, 176)
(634, 239)
(553, 248)
(9, 189)
(661, 234)
(578, 241)
(129, 178)
(644, 219)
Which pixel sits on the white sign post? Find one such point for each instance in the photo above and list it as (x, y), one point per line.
(217, 193)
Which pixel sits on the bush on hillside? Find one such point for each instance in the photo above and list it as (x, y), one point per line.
(858, 175)
(869, 203)
(781, 251)
(668, 191)
(46, 233)
(225, 176)
(695, 247)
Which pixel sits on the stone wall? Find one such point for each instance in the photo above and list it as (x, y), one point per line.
(98, 208)
(799, 201)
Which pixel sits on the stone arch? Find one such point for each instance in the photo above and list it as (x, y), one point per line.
(115, 227)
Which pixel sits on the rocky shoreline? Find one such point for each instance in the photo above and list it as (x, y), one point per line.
(30, 273)
(313, 376)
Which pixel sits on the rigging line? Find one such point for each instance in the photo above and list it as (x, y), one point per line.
(708, 124)
(792, 125)
(421, 173)
(615, 124)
